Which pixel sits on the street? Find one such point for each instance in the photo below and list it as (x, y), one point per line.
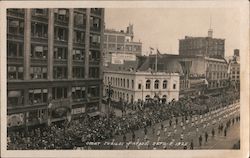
(190, 130)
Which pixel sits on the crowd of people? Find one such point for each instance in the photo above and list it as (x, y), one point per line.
(86, 129)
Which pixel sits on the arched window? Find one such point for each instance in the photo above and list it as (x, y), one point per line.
(164, 85)
(124, 82)
(148, 84)
(156, 84)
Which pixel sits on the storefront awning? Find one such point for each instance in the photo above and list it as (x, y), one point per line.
(93, 114)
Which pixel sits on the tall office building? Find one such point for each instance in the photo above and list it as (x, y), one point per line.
(54, 66)
(202, 46)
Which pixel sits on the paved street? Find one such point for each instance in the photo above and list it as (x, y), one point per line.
(170, 138)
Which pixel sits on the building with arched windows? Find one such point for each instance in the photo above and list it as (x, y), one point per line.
(142, 85)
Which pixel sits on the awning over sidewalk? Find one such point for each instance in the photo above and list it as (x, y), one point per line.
(93, 114)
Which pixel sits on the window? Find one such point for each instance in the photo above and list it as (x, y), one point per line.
(94, 55)
(37, 96)
(112, 38)
(124, 83)
(15, 97)
(120, 47)
(78, 72)
(15, 26)
(79, 37)
(59, 72)
(59, 92)
(14, 49)
(61, 34)
(165, 84)
(174, 86)
(15, 72)
(139, 86)
(95, 40)
(39, 30)
(61, 15)
(79, 19)
(78, 54)
(78, 93)
(120, 39)
(38, 51)
(94, 72)
(156, 86)
(95, 23)
(40, 12)
(60, 53)
(127, 83)
(148, 82)
(38, 72)
(112, 46)
(132, 84)
(93, 91)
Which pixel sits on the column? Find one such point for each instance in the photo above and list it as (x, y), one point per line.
(87, 43)
(70, 42)
(101, 60)
(50, 44)
(27, 44)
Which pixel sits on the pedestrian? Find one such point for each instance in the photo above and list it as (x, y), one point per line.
(124, 138)
(225, 132)
(133, 136)
(182, 136)
(170, 122)
(176, 121)
(206, 136)
(192, 145)
(213, 132)
(158, 133)
(165, 130)
(153, 130)
(162, 126)
(145, 130)
(200, 140)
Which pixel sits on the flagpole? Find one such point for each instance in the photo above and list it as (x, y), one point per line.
(156, 59)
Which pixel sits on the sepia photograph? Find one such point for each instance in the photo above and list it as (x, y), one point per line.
(111, 78)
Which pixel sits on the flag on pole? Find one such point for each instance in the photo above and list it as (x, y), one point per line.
(151, 50)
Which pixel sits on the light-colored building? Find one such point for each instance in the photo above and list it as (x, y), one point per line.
(133, 86)
(119, 46)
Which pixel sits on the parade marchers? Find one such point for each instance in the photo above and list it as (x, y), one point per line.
(78, 132)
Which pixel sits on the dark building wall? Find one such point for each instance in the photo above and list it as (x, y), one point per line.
(202, 46)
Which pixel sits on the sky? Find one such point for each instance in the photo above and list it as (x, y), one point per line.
(163, 27)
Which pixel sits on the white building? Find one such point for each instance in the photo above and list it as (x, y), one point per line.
(131, 86)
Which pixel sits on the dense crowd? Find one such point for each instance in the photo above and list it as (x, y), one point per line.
(86, 129)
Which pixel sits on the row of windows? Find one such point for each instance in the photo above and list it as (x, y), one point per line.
(217, 67)
(59, 72)
(218, 75)
(15, 49)
(40, 95)
(40, 30)
(119, 82)
(122, 47)
(156, 84)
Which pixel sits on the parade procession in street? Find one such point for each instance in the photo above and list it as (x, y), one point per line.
(74, 83)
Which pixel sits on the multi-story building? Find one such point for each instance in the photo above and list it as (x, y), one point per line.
(54, 64)
(133, 86)
(119, 46)
(195, 71)
(202, 46)
(234, 65)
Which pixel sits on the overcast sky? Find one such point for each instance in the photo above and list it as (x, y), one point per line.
(163, 27)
